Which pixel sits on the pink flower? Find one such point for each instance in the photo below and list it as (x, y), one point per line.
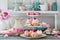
(5, 15)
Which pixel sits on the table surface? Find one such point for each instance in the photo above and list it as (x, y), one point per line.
(49, 37)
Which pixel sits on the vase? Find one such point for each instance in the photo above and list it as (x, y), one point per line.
(3, 25)
(18, 23)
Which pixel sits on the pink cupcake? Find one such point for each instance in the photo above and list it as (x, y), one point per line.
(35, 22)
(29, 22)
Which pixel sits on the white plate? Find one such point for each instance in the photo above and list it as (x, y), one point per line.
(43, 35)
(33, 26)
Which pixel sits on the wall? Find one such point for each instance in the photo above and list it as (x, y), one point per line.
(3, 4)
(58, 1)
(5, 7)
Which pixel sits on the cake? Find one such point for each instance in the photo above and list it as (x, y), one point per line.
(39, 33)
(34, 35)
(27, 34)
(35, 22)
(29, 22)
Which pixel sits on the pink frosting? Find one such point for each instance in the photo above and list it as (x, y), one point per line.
(29, 21)
(33, 33)
(26, 32)
(35, 20)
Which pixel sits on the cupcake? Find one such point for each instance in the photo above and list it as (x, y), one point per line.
(34, 35)
(26, 33)
(39, 33)
(28, 22)
(35, 22)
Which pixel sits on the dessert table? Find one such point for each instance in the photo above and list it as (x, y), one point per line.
(49, 37)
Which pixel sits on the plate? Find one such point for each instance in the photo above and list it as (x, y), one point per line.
(43, 35)
(33, 26)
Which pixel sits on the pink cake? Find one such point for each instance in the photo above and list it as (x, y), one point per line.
(29, 22)
(35, 22)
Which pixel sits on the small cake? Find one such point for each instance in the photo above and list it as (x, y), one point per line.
(39, 33)
(34, 35)
(27, 34)
(35, 22)
(28, 22)
(31, 31)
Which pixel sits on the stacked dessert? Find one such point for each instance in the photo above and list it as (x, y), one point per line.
(33, 34)
(34, 22)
